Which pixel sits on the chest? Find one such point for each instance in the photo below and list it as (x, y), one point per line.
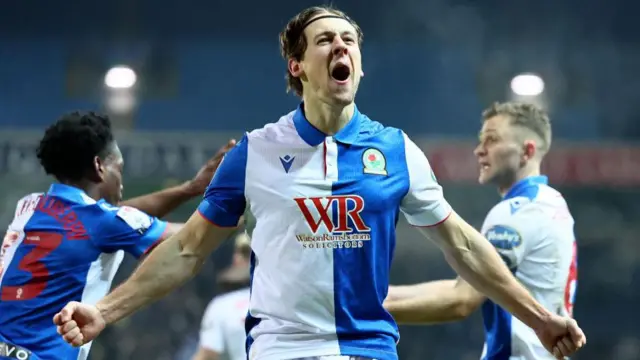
(329, 180)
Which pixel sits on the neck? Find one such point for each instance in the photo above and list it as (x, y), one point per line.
(328, 118)
(524, 173)
(86, 186)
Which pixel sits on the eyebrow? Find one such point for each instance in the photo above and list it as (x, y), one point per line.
(331, 33)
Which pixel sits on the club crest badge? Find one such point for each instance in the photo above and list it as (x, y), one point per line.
(374, 162)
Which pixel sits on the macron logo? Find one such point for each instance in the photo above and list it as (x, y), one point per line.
(287, 161)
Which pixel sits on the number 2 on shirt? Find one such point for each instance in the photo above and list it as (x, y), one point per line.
(43, 244)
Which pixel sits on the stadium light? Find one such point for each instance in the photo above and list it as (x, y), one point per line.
(527, 85)
(120, 77)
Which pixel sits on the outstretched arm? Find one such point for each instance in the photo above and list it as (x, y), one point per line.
(432, 302)
(162, 202)
(170, 265)
(476, 261)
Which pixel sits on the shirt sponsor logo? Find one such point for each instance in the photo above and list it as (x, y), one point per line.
(334, 222)
(14, 352)
(504, 237)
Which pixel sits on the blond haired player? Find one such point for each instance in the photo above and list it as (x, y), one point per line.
(325, 184)
(531, 228)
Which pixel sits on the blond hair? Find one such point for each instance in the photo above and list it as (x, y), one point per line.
(525, 115)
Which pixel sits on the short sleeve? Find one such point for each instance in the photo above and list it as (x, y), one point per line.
(129, 229)
(224, 200)
(424, 204)
(211, 332)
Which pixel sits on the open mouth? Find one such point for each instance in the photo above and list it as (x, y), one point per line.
(340, 72)
(484, 165)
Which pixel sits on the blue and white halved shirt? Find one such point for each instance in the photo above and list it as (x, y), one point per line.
(326, 209)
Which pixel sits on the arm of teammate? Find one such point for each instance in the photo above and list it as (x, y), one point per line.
(451, 300)
(211, 332)
(162, 202)
(129, 229)
(433, 302)
(475, 259)
(174, 261)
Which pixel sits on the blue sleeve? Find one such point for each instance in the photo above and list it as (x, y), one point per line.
(129, 229)
(224, 201)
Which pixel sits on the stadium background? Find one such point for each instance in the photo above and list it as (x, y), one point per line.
(209, 70)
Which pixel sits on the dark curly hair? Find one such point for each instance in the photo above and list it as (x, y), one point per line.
(69, 146)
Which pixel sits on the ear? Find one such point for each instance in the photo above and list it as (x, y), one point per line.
(529, 150)
(98, 173)
(295, 68)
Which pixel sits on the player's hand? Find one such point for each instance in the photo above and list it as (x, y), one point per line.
(561, 336)
(199, 183)
(79, 323)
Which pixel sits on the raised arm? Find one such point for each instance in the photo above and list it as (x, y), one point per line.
(162, 202)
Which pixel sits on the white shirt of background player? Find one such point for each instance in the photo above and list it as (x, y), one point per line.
(532, 230)
(222, 333)
(222, 329)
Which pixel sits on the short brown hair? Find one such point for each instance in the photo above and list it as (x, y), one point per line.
(526, 115)
(293, 43)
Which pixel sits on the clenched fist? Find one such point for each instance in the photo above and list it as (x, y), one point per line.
(561, 336)
(79, 323)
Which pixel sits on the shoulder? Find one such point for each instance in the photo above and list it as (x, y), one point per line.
(508, 215)
(506, 208)
(112, 216)
(281, 129)
(543, 204)
(30, 197)
(25, 208)
(27, 203)
(515, 218)
(217, 305)
(549, 197)
(371, 129)
(212, 306)
(392, 143)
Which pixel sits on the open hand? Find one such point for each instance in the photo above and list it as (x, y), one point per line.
(199, 183)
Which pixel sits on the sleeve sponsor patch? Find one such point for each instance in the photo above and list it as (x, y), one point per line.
(503, 237)
(507, 241)
(135, 218)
